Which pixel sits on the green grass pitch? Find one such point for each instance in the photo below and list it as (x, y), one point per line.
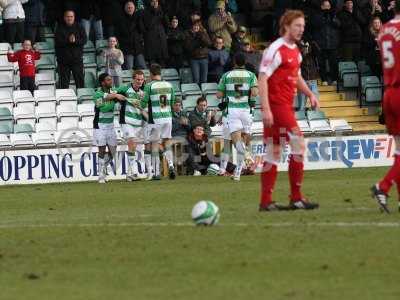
(136, 241)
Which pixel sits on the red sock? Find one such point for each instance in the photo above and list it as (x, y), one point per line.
(296, 172)
(392, 176)
(268, 179)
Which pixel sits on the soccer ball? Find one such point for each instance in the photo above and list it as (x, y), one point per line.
(213, 169)
(205, 213)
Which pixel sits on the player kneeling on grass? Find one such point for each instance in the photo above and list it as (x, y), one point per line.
(239, 88)
(389, 43)
(131, 120)
(159, 96)
(279, 77)
(103, 123)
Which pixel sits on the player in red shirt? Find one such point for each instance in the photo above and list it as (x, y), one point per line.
(279, 78)
(26, 62)
(389, 44)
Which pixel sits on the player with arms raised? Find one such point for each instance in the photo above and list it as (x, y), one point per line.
(389, 44)
(279, 77)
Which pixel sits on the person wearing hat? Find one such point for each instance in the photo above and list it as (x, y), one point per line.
(221, 23)
(253, 57)
(237, 40)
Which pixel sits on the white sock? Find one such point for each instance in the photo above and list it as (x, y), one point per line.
(101, 166)
(155, 161)
(132, 162)
(240, 148)
(147, 160)
(224, 161)
(169, 157)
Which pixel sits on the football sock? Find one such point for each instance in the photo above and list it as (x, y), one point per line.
(240, 148)
(269, 174)
(132, 162)
(147, 161)
(169, 156)
(225, 155)
(392, 176)
(296, 174)
(155, 161)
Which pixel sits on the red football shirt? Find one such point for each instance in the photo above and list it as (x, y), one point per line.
(389, 44)
(281, 63)
(26, 61)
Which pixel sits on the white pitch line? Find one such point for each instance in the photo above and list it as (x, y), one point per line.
(188, 224)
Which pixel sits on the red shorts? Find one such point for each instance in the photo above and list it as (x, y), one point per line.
(285, 126)
(391, 109)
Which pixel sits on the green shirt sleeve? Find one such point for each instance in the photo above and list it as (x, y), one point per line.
(122, 89)
(221, 85)
(145, 101)
(253, 81)
(101, 103)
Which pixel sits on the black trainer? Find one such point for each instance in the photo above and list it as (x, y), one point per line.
(303, 204)
(273, 207)
(158, 177)
(381, 198)
(171, 173)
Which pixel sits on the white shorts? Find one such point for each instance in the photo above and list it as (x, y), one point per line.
(131, 132)
(226, 135)
(156, 132)
(103, 137)
(240, 121)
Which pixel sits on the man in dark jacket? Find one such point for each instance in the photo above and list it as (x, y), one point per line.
(155, 38)
(91, 14)
(351, 22)
(201, 117)
(69, 41)
(237, 40)
(180, 123)
(175, 38)
(218, 60)
(324, 27)
(129, 31)
(182, 9)
(34, 19)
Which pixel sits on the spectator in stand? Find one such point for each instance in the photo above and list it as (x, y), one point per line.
(237, 40)
(351, 21)
(218, 60)
(222, 24)
(230, 5)
(197, 42)
(91, 18)
(252, 57)
(114, 59)
(129, 31)
(155, 38)
(324, 26)
(26, 62)
(14, 20)
(111, 13)
(34, 20)
(175, 38)
(388, 10)
(194, 17)
(180, 123)
(372, 9)
(309, 71)
(372, 53)
(140, 5)
(182, 9)
(201, 117)
(70, 37)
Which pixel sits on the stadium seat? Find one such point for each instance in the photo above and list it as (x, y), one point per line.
(48, 32)
(4, 47)
(68, 111)
(5, 129)
(7, 81)
(90, 80)
(85, 136)
(5, 142)
(23, 128)
(185, 75)
(89, 61)
(21, 140)
(46, 126)
(46, 62)
(101, 45)
(89, 47)
(86, 110)
(363, 68)
(5, 65)
(189, 103)
(45, 47)
(209, 88)
(46, 111)
(212, 100)
(318, 121)
(45, 81)
(25, 114)
(101, 62)
(23, 97)
(371, 90)
(126, 76)
(85, 95)
(5, 113)
(63, 95)
(43, 139)
(86, 123)
(66, 133)
(146, 74)
(340, 125)
(6, 100)
(190, 89)
(44, 96)
(348, 75)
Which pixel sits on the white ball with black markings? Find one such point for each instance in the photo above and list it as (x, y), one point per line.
(205, 213)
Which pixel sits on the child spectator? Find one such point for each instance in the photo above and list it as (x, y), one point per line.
(175, 38)
(26, 62)
(114, 59)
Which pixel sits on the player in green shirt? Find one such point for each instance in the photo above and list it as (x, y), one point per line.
(239, 89)
(159, 96)
(103, 123)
